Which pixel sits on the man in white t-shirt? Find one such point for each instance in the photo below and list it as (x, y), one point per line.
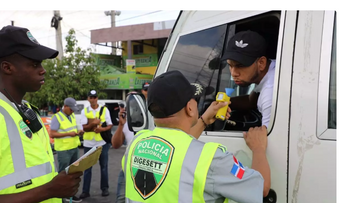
(246, 56)
(91, 121)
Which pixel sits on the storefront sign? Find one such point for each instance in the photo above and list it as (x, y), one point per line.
(145, 60)
(130, 66)
(108, 64)
(126, 81)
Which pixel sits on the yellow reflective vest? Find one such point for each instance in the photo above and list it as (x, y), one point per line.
(90, 115)
(26, 159)
(68, 142)
(166, 165)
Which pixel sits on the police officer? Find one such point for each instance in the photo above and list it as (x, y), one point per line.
(27, 168)
(168, 164)
(65, 132)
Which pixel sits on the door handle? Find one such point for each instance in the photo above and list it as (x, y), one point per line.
(271, 197)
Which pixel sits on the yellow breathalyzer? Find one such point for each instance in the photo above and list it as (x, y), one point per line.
(222, 97)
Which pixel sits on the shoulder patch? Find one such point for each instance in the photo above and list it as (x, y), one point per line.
(150, 163)
(237, 168)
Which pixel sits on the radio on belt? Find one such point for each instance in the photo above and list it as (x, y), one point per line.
(222, 97)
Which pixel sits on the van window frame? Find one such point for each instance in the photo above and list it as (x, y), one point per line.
(323, 132)
(277, 68)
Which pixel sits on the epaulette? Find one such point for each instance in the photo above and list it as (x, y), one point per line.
(223, 148)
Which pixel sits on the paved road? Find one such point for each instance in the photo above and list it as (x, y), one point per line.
(114, 166)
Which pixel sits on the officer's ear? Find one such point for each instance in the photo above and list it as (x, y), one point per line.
(6, 67)
(191, 108)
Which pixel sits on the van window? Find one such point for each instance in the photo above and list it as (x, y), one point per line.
(332, 105)
(198, 56)
(327, 95)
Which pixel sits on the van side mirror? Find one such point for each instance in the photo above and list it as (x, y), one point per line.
(136, 112)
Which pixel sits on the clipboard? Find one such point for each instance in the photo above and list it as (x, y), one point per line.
(86, 161)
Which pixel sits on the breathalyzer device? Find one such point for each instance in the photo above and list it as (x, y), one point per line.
(222, 97)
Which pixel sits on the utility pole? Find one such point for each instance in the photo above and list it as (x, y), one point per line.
(56, 23)
(12, 23)
(113, 13)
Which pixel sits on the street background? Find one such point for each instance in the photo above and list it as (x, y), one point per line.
(114, 166)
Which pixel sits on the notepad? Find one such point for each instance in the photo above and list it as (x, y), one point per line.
(86, 161)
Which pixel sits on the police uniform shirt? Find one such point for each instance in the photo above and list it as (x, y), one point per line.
(221, 183)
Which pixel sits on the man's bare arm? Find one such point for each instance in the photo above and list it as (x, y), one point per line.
(62, 185)
(92, 123)
(118, 137)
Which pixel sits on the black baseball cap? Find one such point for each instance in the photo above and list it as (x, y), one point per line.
(92, 93)
(19, 40)
(170, 92)
(145, 86)
(245, 47)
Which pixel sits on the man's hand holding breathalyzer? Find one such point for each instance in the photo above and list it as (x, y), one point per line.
(209, 117)
(209, 114)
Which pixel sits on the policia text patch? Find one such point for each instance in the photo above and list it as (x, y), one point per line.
(150, 163)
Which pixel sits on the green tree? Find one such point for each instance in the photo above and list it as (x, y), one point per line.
(73, 76)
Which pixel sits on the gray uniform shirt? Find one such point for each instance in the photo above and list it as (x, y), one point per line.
(221, 183)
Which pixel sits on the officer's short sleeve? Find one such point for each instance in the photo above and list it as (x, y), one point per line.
(224, 180)
(55, 125)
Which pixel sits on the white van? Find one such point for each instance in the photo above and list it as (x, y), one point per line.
(102, 102)
(302, 132)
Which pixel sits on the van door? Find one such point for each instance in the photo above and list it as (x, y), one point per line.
(196, 45)
(312, 148)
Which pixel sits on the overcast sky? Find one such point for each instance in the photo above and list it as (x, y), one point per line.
(83, 21)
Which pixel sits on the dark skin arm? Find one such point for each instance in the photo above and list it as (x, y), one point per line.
(244, 102)
(60, 186)
(102, 129)
(91, 125)
(119, 137)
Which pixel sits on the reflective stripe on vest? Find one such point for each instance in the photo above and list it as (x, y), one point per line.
(197, 158)
(21, 172)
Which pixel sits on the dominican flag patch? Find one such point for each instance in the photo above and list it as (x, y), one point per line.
(237, 168)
